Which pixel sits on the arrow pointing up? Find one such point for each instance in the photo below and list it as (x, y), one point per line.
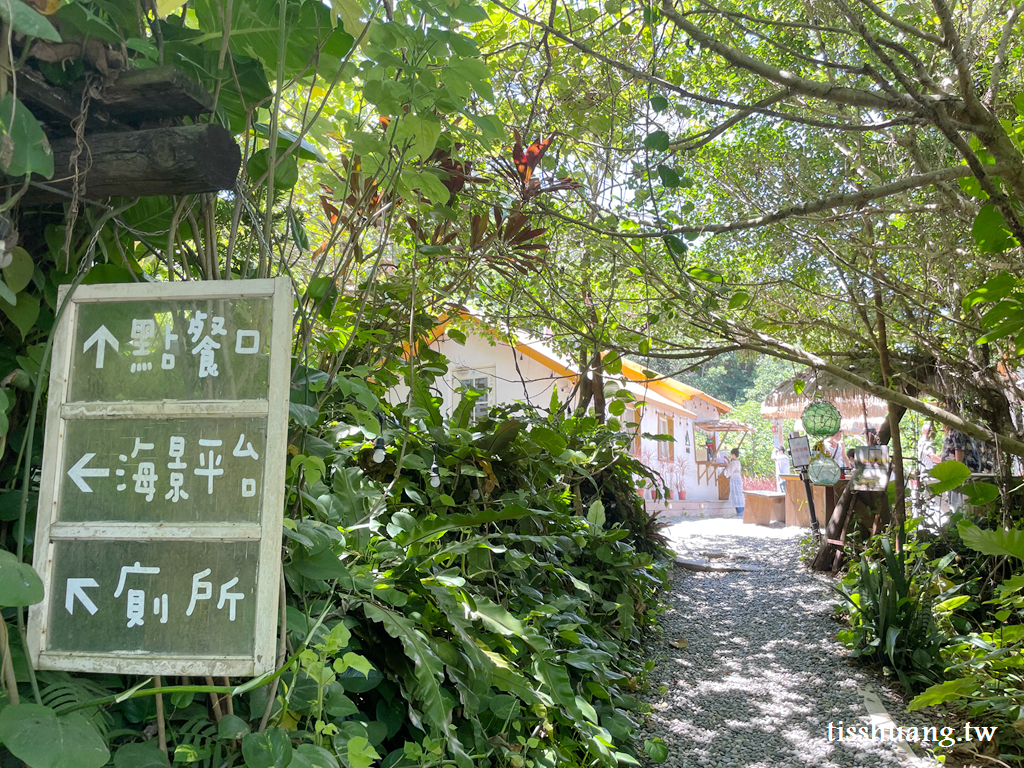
(101, 336)
(76, 588)
(77, 472)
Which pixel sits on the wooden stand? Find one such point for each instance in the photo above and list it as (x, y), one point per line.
(763, 507)
(825, 497)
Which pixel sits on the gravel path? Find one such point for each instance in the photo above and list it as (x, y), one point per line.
(760, 674)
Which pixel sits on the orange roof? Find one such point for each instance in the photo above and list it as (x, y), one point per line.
(675, 392)
(672, 389)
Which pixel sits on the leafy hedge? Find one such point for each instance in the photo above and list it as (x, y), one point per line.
(477, 598)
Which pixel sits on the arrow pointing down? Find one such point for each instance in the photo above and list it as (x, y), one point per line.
(77, 472)
(76, 588)
(101, 336)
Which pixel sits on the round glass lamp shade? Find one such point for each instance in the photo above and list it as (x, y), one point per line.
(823, 471)
(821, 419)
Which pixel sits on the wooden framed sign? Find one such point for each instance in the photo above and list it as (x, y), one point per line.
(161, 499)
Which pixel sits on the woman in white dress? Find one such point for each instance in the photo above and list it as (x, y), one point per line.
(734, 471)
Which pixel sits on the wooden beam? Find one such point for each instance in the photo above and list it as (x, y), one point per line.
(141, 95)
(182, 160)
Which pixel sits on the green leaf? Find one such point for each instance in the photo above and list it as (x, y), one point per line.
(24, 148)
(360, 753)
(548, 439)
(999, 287)
(425, 132)
(656, 749)
(657, 142)
(23, 18)
(19, 583)
(353, 661)
(303, 415)
(943, 692)
(470, 520)
(497, 619)
(144, 754)
(675, 244)
(504, 706)
(595, 515)
(990, 232)
(980, 494)
(798, 385)
(232, 727)
(950, 474)
(429, 184)
(285, 139)
(38, 737)
(456, 335)
(998, 542)
(270, 749)
(428, 668)
(286, 175)
(668, 176)
(659, 103)
(318, 757)
(18, 274)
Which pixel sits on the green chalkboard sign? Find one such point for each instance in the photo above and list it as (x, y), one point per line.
(162, 491)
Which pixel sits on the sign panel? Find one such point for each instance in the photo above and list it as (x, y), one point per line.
(799, 450)
(161, 500)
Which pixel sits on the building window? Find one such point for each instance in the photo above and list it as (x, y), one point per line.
(631, 424)
(480, 380)
(666, 426)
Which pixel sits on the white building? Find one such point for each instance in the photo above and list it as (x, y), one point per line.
(529, 372)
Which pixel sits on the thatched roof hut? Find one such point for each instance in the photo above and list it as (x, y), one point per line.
(855, 405)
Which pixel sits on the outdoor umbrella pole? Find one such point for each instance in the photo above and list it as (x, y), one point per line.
(810, 503)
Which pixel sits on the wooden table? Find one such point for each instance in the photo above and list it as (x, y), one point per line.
(825, 497)
(763, 507)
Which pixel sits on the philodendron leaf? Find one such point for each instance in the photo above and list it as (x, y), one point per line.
(38, 737)
(980, 494)
(950, 474)
(24, 148)
(19, 583)
(998, 542)
(27, 20)
(656, 749)
(270, 749)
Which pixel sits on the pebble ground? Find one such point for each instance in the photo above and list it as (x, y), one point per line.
(761, 674)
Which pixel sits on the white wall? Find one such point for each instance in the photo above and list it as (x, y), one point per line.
(534, 381)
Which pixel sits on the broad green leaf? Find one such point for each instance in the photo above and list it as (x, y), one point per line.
(353, 661)
(657, 142)
(38, 737)
(943, 692)
(548, 439)
(953, 603)
(990, 232)
(18, 274)
(659, 103)
(429, 184)
(497, 619)
(424, 131)
(20, 585)
(270, 749)
(24, 148)
(504, 706)
(980, 494)
(428, 668)
(286, 173)
(995, 289)
(950, 474)
(232, 727)
(668, 176)
(360, 753)
(998, 542)
(471, 520)
(28, 21)
(145, 754)
(318, 757)
(596, 515)
(656, 749)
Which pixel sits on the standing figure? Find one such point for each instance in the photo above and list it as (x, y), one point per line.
(734, 471)
(781, 468)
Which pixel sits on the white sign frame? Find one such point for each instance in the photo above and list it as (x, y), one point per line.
(267, 531)
(800, 451)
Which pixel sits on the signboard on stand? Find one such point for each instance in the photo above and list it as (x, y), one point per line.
(161, 498)
(799, 450)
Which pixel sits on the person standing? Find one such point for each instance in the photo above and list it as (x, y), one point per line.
(926, 460)
(781, 468)
(734, 471)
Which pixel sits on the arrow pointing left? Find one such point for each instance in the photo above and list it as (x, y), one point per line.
(76, 588)
(77, 472)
